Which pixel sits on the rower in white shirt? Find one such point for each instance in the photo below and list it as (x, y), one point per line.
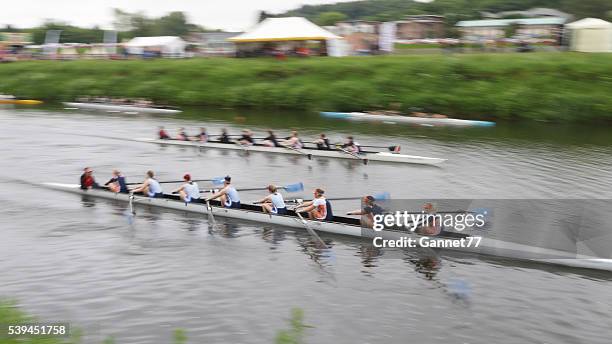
(189, 191)
(274, 202)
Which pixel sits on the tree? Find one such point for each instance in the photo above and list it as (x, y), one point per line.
(263, 15)
(511, 29)
(173, 24)
(330, 18)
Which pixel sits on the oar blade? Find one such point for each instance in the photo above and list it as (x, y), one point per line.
(382, 196)
(218, 181)
(297, 187)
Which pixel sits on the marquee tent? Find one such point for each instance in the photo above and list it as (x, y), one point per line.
(591, 35)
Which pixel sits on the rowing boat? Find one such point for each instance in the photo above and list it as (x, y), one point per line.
(350, 227)
(121, 108)
(430, 121)
(369, 156)
(20, 101)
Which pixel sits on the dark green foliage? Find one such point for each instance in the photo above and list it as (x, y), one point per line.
(454, 10)
(543, 86)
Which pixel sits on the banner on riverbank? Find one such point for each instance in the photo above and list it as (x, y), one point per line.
(386, 38)
(15, 38)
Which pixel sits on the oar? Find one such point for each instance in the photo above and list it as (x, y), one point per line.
(211, 217)
(390, 148)
(311, 231)
(379, 197)
(297, 187)
(308, 155)
(365, 160)
(216, 181)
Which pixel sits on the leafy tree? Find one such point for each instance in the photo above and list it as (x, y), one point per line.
(330, 18)
(511, 29)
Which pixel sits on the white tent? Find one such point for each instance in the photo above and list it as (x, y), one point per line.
(170, 46)
(591, 35)
(284, 29)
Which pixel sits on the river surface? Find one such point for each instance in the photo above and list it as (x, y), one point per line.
(66, 257)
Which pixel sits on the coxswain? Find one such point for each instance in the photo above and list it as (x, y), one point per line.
(87, 179)
(117, 183)
(350, 145)
(294, 141)
(431, 224)
(150, 186)
(224, 137)
(182, 135)
(202, 136)
(270, 140)
(317, 209)
(189, 190)
(367, 212)
(274, 202)
(247, 138)
(163, 135)
(322, 142)
(228, 195)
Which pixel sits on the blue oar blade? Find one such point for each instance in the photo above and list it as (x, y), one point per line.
(382, 196)
(297, 187)
(218, 181)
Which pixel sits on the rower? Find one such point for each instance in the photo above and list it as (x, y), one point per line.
(294, 141)
(189, 190)
(270, 140)
(228, 195)
(247, 138)
(322, 142)
(318, 209)
(117, 183)
(87, 179)
(163, 135)
(202, 136)
(351, 146)
(367, 212)
(274, 202)
(150, 186)
(224, 137)
(182, 135)
(431, 226)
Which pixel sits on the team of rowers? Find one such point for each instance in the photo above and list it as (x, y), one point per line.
(271, 140)
(319, 208)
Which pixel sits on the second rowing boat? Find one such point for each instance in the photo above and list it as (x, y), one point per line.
(121, 108)
(369, 156)
(360, 116)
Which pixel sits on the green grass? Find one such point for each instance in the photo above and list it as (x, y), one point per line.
(11, 315)
(539, 86)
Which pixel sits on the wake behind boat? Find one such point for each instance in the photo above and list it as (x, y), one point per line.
(392, 118)
(342, 226)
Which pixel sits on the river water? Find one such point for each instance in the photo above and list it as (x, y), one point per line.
(70, 258)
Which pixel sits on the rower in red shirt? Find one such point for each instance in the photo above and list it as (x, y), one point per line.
(87, 179)
(163, 135)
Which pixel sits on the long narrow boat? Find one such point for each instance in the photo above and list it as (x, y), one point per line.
(350, 227)
(369, 156)
(121, 108)
(360, 116)
(20, 101)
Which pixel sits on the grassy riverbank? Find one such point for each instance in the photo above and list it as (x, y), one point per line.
(541, 86)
